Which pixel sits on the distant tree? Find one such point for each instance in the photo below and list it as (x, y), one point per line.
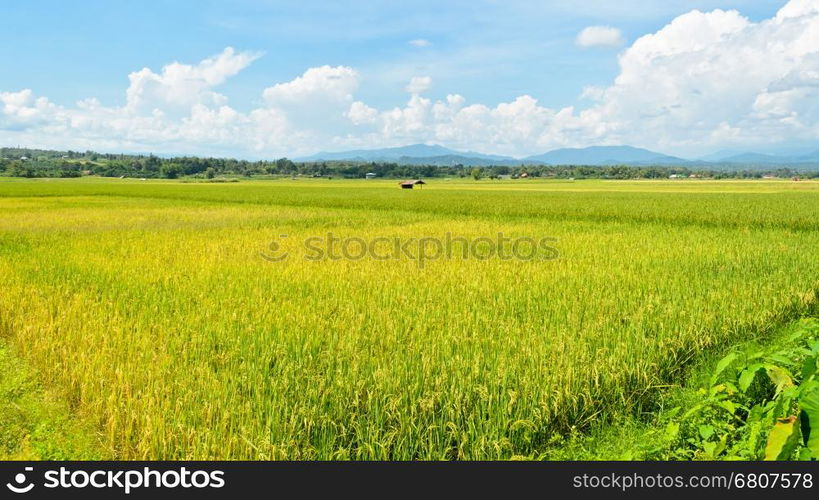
(152, 163)
(15, 169)
(210, 173)
(476, 173)
(170, 171)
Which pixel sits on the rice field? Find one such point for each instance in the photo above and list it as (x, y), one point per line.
(149, 309)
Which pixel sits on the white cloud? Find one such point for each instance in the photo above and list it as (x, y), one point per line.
(705, 80)
(707, 71)
(419, 84)
(698, 82)
(326, 83)
(22, 109)
(316, 103)
(183, 85)
(420, 43)
(798, 8)
(359, 113)
(600, 36)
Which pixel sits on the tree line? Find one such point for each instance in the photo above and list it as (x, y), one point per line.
(23, 162)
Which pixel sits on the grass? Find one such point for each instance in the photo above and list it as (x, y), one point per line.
(647, 436)
(145, 308)
(34, 425)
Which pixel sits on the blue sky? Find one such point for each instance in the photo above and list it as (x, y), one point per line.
(488, 53)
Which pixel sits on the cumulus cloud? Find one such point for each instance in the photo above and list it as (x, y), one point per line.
(326, 83)
(600, 36)
(316, 101)
(705, 80)
(184, 85)
(706, 72)
(419, 84)
(22, 109)
(359, 113)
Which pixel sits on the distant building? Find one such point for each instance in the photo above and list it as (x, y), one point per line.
(370, 175)
(524, 175)
(411, 184)
(24, 158)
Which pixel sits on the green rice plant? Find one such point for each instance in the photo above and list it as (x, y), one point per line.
(147, 308)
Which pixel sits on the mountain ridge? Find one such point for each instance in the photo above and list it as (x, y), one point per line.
(434, 154)
(605, 155)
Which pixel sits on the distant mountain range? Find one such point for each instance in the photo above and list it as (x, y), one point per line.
(414, 154)
(605, 155)
(747, 158)
(424, 154)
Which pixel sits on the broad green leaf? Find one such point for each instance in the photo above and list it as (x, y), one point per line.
(781, 359)
(710, 448)
(722, 365)
(730, 388)
(780, 377)
(809, 416)
(672, 431)
(717, 389)
(706, 431)
(746, 378)
(755, 355)
(729, 406)
(809, 367)
(713, 449)
(782, 440)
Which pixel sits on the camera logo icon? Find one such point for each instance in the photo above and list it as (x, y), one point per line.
(20, 480)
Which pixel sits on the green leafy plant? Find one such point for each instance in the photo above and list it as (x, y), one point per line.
(759, 404)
